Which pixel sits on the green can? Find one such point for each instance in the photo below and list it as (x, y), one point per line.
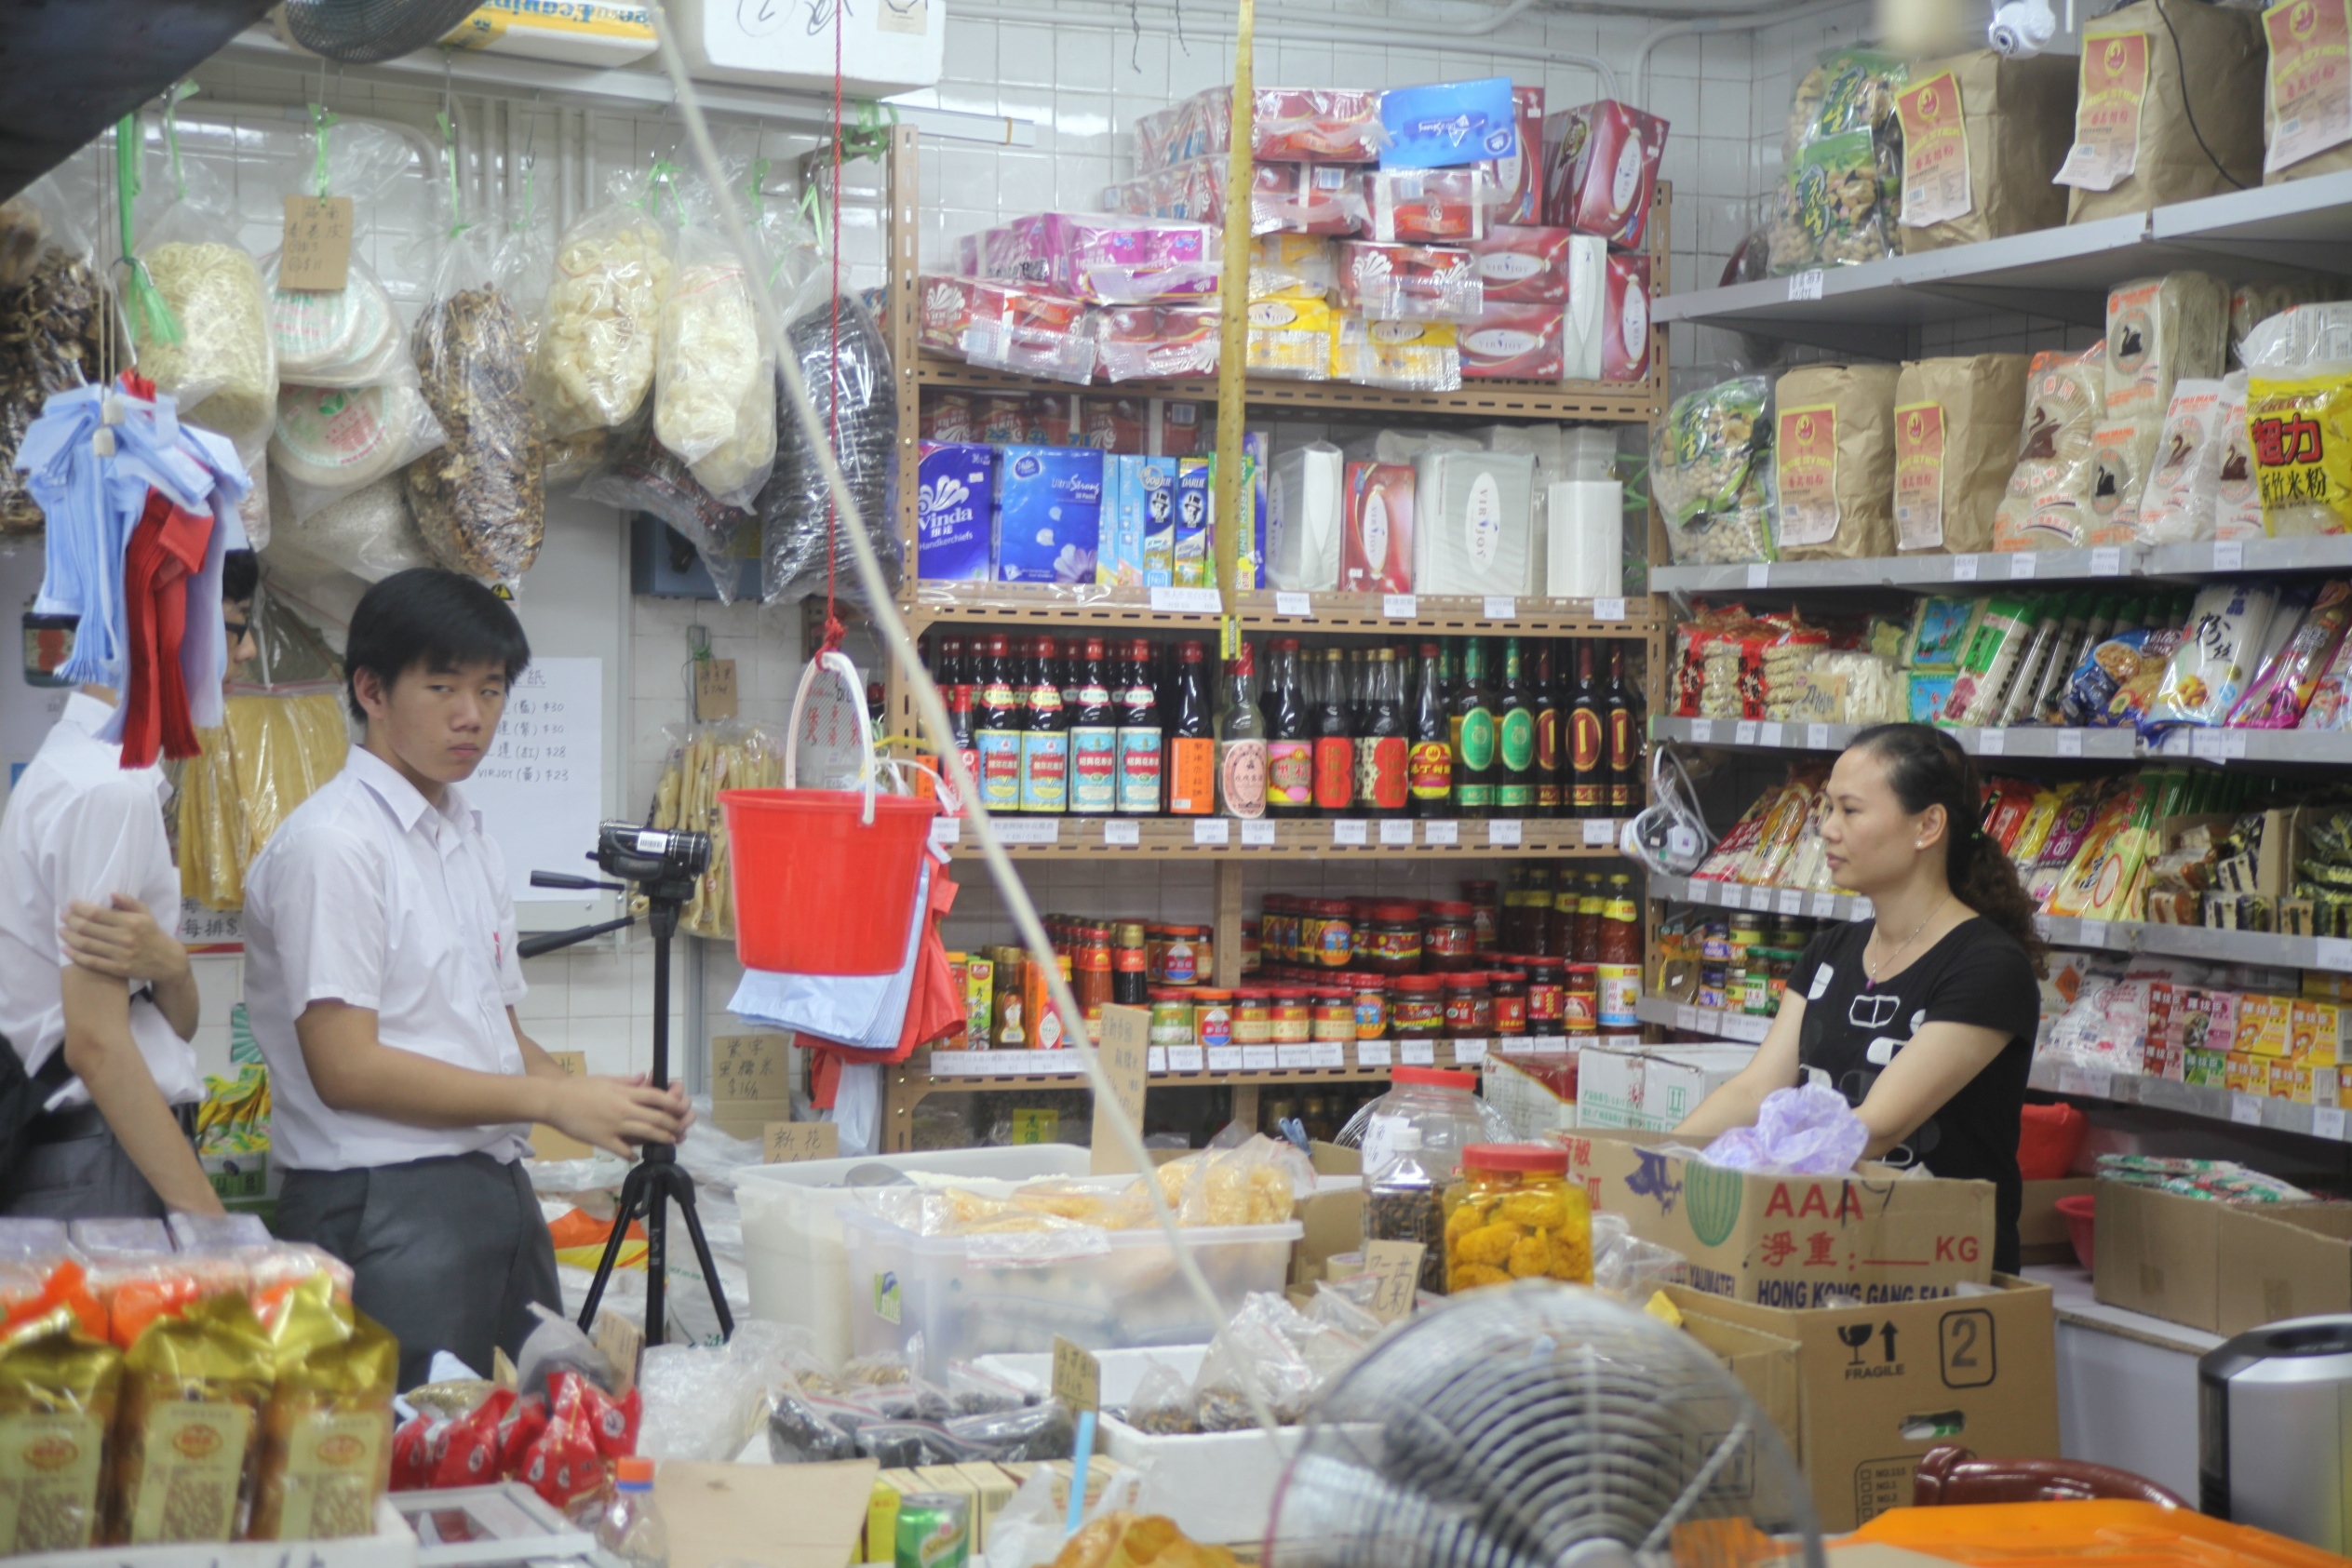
(935, 1530)
(1171, 1017)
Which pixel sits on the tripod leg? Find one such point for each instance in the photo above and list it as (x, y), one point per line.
(656, 1250)
(633, 1199)
(701, 1254)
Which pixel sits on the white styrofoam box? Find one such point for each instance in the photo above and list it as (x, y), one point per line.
(392, 1545)
(1303, 517)
(1217, 1486)
(1473, 522)
(1102, 1290)
(1121, 1370)
(792, 1240)
(1652, 1087)
(886, 47)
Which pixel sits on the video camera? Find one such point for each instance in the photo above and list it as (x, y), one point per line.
(651, 855)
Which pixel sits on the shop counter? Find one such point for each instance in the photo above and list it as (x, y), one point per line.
(2126, 1382)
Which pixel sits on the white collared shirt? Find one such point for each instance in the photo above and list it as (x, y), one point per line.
(79, 826)
(370, 896)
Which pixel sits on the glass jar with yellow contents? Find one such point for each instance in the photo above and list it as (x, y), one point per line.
(1513, 1215)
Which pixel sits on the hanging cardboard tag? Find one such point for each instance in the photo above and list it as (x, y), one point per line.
(1122, 1039)
(315, 254)
(622, 1343)
(714, 689)
(1078, 1377)
(785, 1143)
(1395, 1268)
(751, 1067)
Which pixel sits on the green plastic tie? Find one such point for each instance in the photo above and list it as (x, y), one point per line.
(449, 159)
(148, 313)
(662, 180)
(321, 122)
(171, 102)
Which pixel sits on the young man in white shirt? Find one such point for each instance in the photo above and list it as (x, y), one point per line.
(381, 979)
(96, 994)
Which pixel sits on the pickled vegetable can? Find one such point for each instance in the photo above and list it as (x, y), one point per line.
(1513, 1215)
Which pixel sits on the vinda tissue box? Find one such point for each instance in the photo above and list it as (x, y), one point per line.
(1474, 512)
(952, 516)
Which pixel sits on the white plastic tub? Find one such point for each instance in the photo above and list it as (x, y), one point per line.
(1217, 1486)
(793, 1249)
(1121, 1370)
(1104, 1290)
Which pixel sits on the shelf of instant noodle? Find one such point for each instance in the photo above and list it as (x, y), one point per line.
(1161, 839)
(1424, 614)
(2018, 741)
(2271, 1112)
(1320, 1061)
(2206, 557)
(1714, 1022)
(1631, 402)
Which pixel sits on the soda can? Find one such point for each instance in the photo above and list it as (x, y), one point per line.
(935, 1530)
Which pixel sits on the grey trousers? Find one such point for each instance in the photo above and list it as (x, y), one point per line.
(79, 1178)
(448, 1253)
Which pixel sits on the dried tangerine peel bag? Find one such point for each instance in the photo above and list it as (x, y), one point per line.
(185, 1448)
(327, 1433)
(59, 1389)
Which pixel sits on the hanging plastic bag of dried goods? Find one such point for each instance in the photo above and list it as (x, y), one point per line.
(594, 365)
(52, 312)
(715, 382)
(856, 401)
(349, 336)
(524, 266)
(370, 533)
(210, 346)
(640, 475)
(478, 499)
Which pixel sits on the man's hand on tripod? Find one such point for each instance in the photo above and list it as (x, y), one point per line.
(617, 1113)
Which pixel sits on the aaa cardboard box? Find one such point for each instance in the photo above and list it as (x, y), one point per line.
(1876, 1387)
(1792, 1241)
(2223, 1267)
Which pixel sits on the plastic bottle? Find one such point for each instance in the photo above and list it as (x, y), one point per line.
(631, 1527)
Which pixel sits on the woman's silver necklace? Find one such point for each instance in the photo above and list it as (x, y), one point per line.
(1869, 981)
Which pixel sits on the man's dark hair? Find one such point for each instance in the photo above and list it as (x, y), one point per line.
(240, 575)
(434, 618)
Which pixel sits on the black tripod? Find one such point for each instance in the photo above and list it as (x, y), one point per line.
(664, 866)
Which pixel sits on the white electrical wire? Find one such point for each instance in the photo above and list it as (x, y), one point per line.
(901, 647)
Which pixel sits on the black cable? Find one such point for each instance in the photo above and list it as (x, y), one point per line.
(2188, 111)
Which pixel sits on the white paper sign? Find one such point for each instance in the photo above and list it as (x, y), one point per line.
(1743, 733)
(1373, 1053)
(2021, 565)
(1327, 1054)
(1824, 906)
(2230, 555)
(1769, 733)
(1599, 832)
(1964, 569)
(1213, 831)
(1155, 1059)
(1029, 830)
(2106, 561)
(1702, 731)
(1438, 831)
(1347, 832)
(1417, 1053)
(1396, 832)
(1400, 607)
(1260, 1058)
(2332, 952)
(1258, 833)
(1992, 743)
(1791, 900)
(1608, 610)
(1760, 575)
(1188, 601)
(1294, 604)
(1817, 737)
(2246, 1109)
(1225, 1058)
(1502, 832)
(946, 832)
(2070, 742)
(2327, 1121)
(1184, 1058)
(1123, 831)
(1806, 285)
(1468, 1050)
(1501, 606)
(540, 787)
(1293, 1058)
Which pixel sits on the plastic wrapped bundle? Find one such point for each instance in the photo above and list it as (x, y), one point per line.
(715, 382)
(594, 356)
(642, 474)
(1841, 190)
(367, 533)
(1711, 462)
(49, 327)
(223, 369)
(855, 399)
(479, 500)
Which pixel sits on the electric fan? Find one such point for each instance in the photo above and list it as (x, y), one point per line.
(1540, 1426)
(363, 31)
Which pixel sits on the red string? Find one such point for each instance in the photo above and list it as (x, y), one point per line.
(833, 629)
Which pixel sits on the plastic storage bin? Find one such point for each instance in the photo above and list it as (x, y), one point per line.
(792, 1242)
(1103, 1290)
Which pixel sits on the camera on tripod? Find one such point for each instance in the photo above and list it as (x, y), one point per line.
(654, 856)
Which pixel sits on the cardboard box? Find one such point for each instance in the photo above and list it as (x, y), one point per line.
(1651, 1088)
(1535, 1093)
(1878, 1386)
(2042, 1229)
(2223, 1267)
(1792, 1241)
(790, 1516)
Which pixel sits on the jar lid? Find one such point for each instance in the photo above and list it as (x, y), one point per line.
(1369, 981)
(1290, 993)
(1450, 909)
(1397, 913)
(1529, 1158)
(1168, 994)
(1539, 964)
(1337, 906)
(1506, 977)
(1202, 994)
(1438, 1078)
(1332, 994)
(1583, 968)
(1419, 982)
(1465, 980)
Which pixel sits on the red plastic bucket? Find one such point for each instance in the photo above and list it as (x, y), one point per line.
(816, 891)
(2080, 1212)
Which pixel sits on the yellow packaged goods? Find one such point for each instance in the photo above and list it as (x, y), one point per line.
(704, 760)
(185, 1449)
(1513, 1216)
(715, 387)
(327, 1433)
(270, 757)
(1956, 424)
(222, 367)
(2306, 106)
(2299, 419)
(58, 1396)
(1982, 135)
(2046, 501)
(1835, 459)
(2150, 130)
(1291, 337)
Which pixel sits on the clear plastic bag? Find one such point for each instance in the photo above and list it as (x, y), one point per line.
(800, 1433)
(1258, 1182)
(1809, 1130)
(368, 533)
(54, 303)
(478, 499)
(1842, 192)
(1250, 1351)
(715, 380)
(1161, 1403)
(639, 474)
(345, 337)
(222, 365)
(2299, 378)
(1711, 466)
(2047, 505)
(1627, 1266)
(328, 442)
(1040, 1431)
(597, 346)
(854, 396)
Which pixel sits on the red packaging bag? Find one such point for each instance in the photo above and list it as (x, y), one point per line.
(1430, 205)
(1376, 550)
(563, 1464)
(1515, 342)
(1407, 282)
(469, 1450)
(1523, 264)
(1601, 170)
(1134, 342)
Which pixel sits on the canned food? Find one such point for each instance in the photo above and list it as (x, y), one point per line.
(935, 1530)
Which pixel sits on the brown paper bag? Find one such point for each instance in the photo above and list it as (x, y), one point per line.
(1956, 424)
(2169, 160)
(1835, 458)
(2316, 102)
(2016, 120)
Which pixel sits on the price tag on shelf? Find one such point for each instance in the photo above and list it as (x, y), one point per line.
(1770, 733)
(946, 831)
(1294, 604)
(1155, 1059)
(1824, 906)
(1467, 1052)
(1260, 1058)
(2327, 1121)
(1400, 606)
(1549, 1045)
(2332, 953)
(1702, 731)
(1327, 1054)
(1188, 601)
(1396, 833)
(1373, 1053)
(1759, 575)
(2090, 1081)
(1029, 830)
(2021, 565)
(2246, 1109)
(1599, 832)
(1213, 831)
(1225, 1058)
(2230, 555)
(1608, 610)
(1864, 909)
(1123, 830)
(1964, 569)
(1731, 895)
(1293, 1058)
(2070, 742)
(1256, 834)
(1438, 831)
(1501, 606)
(1992, 743)
(2106, 561)
(1349, 832)
(1502, 832)
(1806, 285)
(1789, 900)
(1743, 733)
(1817, 737)
(1184, 1058)
(1417, 1053)
(2092, 933)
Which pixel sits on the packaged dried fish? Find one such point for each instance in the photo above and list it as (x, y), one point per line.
(50, 324)
(594, 364)
(479, 500)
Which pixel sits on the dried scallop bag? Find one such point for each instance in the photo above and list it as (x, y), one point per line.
(53, 306)
(2049, 495)
(478, 499)
(594, 364)
(2299, 419)
(215, 352)
(853, 394)
(715, 383)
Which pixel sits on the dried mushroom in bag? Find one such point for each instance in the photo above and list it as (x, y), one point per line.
(854, 396)
(478, 499)
(51, 326)
(594, 363)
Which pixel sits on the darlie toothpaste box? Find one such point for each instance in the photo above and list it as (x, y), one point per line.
(954, 512)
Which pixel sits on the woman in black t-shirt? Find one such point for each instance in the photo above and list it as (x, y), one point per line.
(1923, 1017)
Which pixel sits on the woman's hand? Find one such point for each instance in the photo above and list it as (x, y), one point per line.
(122, 941)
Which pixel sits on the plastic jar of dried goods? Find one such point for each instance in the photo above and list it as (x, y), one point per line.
(1513, 1215)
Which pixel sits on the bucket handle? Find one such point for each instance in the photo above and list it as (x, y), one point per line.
(838, 663)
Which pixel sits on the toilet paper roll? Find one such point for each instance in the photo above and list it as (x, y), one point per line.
(1586, 519)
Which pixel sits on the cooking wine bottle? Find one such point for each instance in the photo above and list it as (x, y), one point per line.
(1432, 761)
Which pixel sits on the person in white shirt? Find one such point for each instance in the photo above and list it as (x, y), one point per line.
(96, 993)
(381, 980)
